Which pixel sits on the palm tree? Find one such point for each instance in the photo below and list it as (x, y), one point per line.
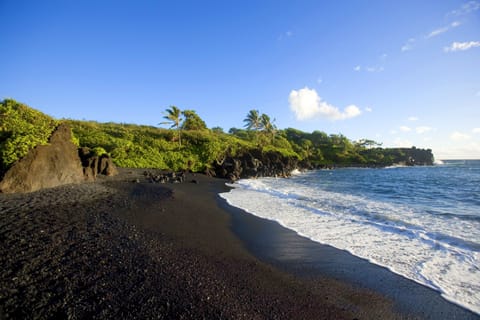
(253, 121)
(173, 117)
(268, 126)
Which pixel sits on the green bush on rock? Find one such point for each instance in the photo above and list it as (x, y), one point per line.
(21, 129)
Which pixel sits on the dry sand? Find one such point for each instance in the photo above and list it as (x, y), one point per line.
(121, 249)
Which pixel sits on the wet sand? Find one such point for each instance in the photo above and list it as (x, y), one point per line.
(121, 249)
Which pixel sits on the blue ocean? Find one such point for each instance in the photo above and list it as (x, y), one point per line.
(420, 222)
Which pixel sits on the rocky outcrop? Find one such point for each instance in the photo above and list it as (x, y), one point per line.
(57, 163)
(94, 165)
(46, 166)
(253, 165)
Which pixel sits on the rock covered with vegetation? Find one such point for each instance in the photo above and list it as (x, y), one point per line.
(45, 166)
(21, 129)
(39, 152)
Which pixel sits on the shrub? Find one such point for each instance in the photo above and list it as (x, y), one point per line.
(21, 129)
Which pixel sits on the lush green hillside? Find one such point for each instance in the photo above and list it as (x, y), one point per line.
(149, 147)
(189, 144)
(21, 129)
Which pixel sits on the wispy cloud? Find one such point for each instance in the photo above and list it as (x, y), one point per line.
(422, 129)
(441, 30)
(436, 32)
(285, 35)
(368, 109)
(476, 130)
(466, 8)
(459, 136)
(419, 129)
(306, 104)
(408, 45)
(462, 46)
(399, 142)
(413, 118)
(377, 67)
(374, 69)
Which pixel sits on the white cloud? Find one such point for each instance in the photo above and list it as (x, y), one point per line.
(375, 69)
(439, 31)
(459, 136)
(368, 109)
(468, 7)
(307, 104)
(319, 80)
(379, 66)
(405, 129)
(436, 32)
(462, 46)
(413, 118)
(422, 129)
(476, 130)
(408, 45)
(455, 24)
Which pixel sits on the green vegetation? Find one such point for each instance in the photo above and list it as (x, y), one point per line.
(21, 129)
(136, 146)
(189, 144)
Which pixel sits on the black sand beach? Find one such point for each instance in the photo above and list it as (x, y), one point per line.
(121, 249)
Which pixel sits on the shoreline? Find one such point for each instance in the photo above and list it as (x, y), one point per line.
(285, 249)
(116, 248)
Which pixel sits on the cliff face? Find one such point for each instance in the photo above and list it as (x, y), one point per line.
(418, 157)
(255, 164)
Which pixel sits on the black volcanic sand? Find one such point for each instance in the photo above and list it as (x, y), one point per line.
(121, 249)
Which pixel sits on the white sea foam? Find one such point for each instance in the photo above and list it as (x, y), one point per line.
(426, 249)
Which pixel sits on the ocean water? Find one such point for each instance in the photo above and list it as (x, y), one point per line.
(419, 222)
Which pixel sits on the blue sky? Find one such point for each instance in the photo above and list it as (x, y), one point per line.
(400, 72)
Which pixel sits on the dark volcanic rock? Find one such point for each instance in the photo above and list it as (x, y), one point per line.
(94, 165)
(55, 164)
(255, 164)
(46, 166)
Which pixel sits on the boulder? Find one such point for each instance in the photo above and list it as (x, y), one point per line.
(46, 166)
(94, 165)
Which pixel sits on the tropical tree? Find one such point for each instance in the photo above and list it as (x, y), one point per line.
(173, 117)
(218, 130)
(192, 121)
(253, 120)
(268, 126)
